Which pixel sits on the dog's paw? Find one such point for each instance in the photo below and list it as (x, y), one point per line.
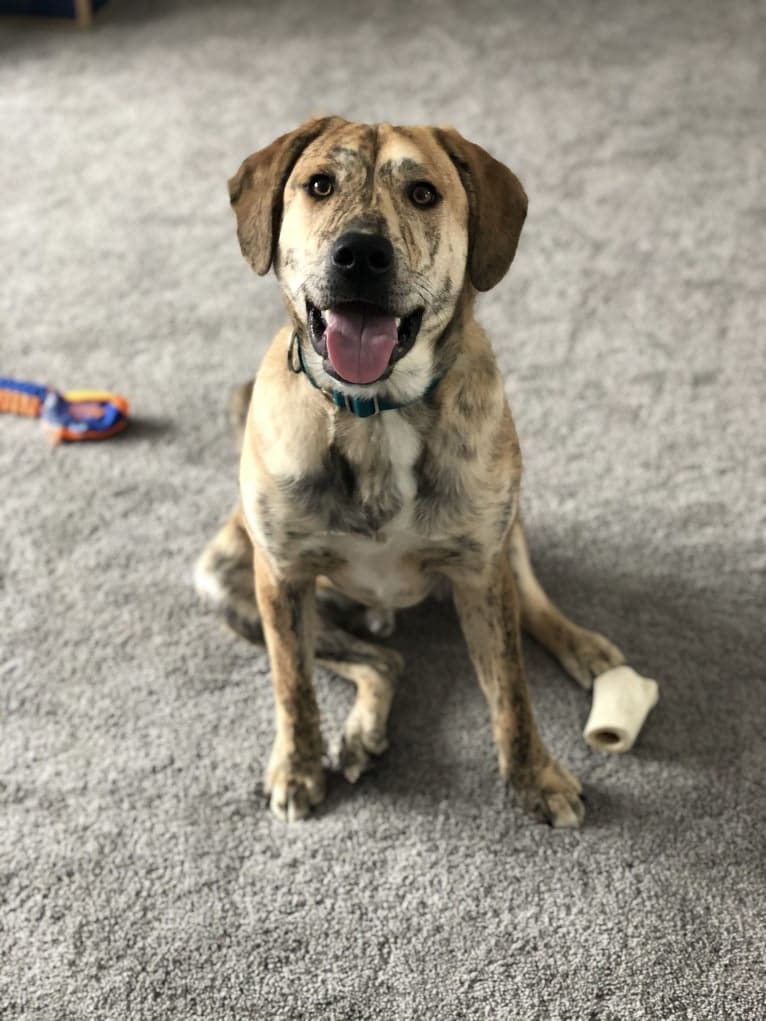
(586, 654)
(379, 623)
(553, 794)
(294, 788)
(362, 740)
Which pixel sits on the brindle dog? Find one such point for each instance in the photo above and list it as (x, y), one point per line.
(380, 237)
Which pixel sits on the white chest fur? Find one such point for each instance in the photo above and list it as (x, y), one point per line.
(379, 570)
(400, 445)
(380, 573)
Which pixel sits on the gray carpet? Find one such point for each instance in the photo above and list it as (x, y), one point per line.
(142, 876)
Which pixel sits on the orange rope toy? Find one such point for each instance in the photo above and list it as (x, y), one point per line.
(74, 415)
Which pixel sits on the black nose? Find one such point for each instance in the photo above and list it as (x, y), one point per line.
(362, 260)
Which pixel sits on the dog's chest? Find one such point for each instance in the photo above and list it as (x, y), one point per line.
(375, 512)
(362, 510)
(382, 463)
(381, 572)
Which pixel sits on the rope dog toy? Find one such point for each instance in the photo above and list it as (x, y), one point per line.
(70, 416)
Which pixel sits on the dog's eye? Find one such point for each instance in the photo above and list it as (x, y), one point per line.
(424, 194)
(320, 186)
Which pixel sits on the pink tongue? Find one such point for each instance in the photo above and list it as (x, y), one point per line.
(359, 343)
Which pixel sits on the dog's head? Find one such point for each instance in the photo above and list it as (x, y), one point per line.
(375, 233)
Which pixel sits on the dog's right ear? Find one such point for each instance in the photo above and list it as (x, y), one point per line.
(256, 189)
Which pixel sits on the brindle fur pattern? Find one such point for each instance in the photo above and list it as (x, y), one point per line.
(346, 520)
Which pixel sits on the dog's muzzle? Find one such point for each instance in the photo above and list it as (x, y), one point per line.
(359, 335)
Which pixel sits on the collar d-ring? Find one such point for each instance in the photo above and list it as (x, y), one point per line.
(294, 355)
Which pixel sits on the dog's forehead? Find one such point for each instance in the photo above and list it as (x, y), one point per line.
(379, 146)
(410, 149)
(348, 145)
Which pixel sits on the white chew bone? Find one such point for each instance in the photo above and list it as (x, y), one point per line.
(621, 702)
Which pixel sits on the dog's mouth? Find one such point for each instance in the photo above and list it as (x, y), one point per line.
(360, 342)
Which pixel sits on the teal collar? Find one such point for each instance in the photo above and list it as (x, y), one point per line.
(362, 407)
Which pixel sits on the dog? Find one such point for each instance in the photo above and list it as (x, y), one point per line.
(379, 459)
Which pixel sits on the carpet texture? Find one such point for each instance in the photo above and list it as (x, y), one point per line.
(142, 875)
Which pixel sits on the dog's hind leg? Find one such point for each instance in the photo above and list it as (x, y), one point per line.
(223, 578)
(583, 654)
(223, 575)
(353, 616)
(374, 670)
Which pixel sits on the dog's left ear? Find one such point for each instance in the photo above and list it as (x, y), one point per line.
(497, 206)
(256, 189)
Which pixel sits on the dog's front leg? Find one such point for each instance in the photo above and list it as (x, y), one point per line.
(294, 778)
(489, 615)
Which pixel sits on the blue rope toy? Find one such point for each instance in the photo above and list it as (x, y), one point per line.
(74, 415)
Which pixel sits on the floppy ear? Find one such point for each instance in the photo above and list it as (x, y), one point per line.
(497, 206)
(256, 189)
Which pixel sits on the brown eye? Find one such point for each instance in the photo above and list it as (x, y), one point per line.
(320, 186)
(424, 194)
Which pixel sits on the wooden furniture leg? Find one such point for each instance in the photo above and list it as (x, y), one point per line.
(84, 13)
